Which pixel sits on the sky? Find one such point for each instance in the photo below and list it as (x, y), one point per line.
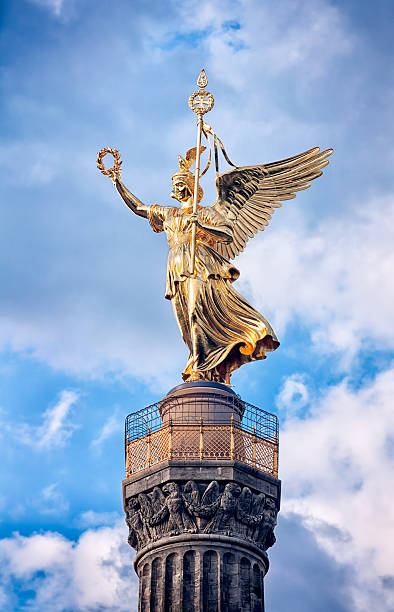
(85, 334)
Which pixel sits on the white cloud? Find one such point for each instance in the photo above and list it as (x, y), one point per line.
(50, 501)
(294, 395)
(56, 429)
(334, 278)
(338, 465)
(90, 518)
(112, 425)
(293, 36)
(93, 573)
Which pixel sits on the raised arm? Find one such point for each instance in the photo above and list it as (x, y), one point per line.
(131, 201)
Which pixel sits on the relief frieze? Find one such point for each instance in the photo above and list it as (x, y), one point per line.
(228, 509)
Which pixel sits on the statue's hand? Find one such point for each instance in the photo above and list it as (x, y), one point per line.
(194, 217)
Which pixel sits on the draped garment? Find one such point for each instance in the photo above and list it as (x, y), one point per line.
(220, 328)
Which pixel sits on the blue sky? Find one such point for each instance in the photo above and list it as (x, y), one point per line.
(85, 334)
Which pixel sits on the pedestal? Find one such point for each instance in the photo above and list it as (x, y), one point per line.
(202, 524)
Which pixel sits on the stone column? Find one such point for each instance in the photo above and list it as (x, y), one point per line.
(201, 527)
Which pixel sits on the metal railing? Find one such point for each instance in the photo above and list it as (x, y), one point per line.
(254, 420)
(253, 441)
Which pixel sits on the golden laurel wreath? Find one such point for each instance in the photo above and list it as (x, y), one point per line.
(114, 172)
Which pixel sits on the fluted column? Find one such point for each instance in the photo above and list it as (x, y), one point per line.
(200, 576)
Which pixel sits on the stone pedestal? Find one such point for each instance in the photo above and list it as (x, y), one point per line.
(211, 402)
(201, 528)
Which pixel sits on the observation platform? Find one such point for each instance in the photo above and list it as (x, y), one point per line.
(202, 421)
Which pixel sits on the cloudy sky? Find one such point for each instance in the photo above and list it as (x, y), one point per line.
(85, 334)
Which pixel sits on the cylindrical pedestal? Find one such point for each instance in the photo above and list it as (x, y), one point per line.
(201, 572)
(193, 402)
(201, 527)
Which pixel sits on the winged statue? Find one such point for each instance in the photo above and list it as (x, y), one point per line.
(221, 330)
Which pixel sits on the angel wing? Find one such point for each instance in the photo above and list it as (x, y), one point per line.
(244, 505)
(145, 505)
(211, 494)
(248, 196)
(192, 493)
(258, 504)
(158, 500)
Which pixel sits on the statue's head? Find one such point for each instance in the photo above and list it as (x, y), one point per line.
(183, 180)
(233, 488)
(133, 504)
(170, 487)
(183, 188)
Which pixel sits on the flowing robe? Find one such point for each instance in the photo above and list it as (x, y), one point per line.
(217, 324)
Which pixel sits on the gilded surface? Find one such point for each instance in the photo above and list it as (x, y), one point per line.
(220, 328)
(114, 172)
(202, 442)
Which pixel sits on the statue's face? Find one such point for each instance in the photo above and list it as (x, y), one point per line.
(233, 488)
(170, 487)
(180, 191)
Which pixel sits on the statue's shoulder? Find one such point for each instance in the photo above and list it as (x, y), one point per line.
(162, 211)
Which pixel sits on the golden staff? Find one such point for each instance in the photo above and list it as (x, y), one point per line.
(200, 102)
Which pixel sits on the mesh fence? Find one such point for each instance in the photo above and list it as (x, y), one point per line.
(245, 433)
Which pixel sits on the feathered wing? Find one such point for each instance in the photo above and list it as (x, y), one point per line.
(211, 494)
(158, 500)
(248, 196)
(245, 501)
(191, 493)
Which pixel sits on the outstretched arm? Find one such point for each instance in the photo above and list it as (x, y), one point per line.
(131, 201)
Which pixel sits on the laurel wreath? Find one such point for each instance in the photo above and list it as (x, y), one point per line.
(114, 172)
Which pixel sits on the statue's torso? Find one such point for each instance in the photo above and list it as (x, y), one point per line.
(177, 224)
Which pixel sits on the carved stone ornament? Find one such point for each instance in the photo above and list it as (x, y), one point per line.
(227, 509)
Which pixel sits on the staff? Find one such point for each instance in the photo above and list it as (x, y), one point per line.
(200, 102)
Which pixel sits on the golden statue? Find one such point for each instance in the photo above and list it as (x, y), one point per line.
(220, 328)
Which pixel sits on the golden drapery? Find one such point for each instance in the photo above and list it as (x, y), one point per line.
(221, 329)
